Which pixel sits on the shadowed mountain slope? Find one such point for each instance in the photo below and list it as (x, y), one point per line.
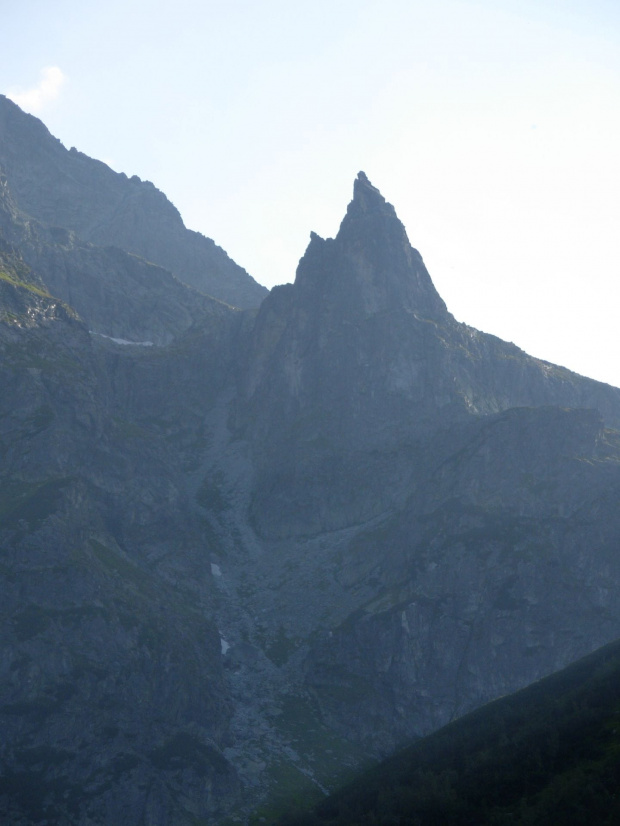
(113, 705)
(116, 294)
(276, 544)
(547, 754)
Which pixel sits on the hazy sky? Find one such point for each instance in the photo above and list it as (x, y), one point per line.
(492, 126)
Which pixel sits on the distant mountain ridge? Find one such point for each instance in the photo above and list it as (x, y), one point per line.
(115, 293)
(60, 187)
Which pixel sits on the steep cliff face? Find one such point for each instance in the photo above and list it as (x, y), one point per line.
(496, 571)
(273, 544)
(418, 518)
(65, 188)
(361, 358)
(113, 705)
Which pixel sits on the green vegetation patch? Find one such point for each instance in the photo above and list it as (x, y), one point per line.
(31, 622)
(29, 502)
(11, 318)
(340, 685)
(23, 285)
(291, 790)
(34, 795)
(44, 704)
(184, 751)
(37, 790)
(209, 496)
(39, 421)
(126, 429)
(116, 563)
(547, 754)
(281, 648)
(291, 781)
(40, 355)
(34, 620)
(43, 757)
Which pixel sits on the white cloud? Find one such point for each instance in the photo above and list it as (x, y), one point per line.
(46, 91)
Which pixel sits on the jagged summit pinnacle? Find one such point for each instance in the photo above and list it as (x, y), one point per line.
(361, 183)
(362, 180)
(367, 198)
(369, 210)
(370, 265)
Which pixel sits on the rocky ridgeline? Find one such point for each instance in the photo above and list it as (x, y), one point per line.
(270, 546)
(65, 188)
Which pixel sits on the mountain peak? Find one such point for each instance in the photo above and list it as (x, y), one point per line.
(370, 214)
(367, 198)
(362, 186)
(372, 260)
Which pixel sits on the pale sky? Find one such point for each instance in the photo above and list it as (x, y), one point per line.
(492, 126)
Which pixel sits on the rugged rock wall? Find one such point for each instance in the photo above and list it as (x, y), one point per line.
(274, 544)
(414, 517)
(117, 294)
(360, 360)
(113, 704)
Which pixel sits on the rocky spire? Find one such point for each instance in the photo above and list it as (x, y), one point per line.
(367, 198)
(370, 265)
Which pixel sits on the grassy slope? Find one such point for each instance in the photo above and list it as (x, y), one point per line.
(548, 754)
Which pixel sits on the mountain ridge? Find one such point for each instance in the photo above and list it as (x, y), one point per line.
(64, 187)
(282, 541)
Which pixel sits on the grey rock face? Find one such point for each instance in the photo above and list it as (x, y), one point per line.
(278, 543)
(358, 361)
(491, 575)
(116, 294)
(113, 706)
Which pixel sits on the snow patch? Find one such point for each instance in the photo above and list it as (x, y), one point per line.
(123, 340)
(405, 622)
